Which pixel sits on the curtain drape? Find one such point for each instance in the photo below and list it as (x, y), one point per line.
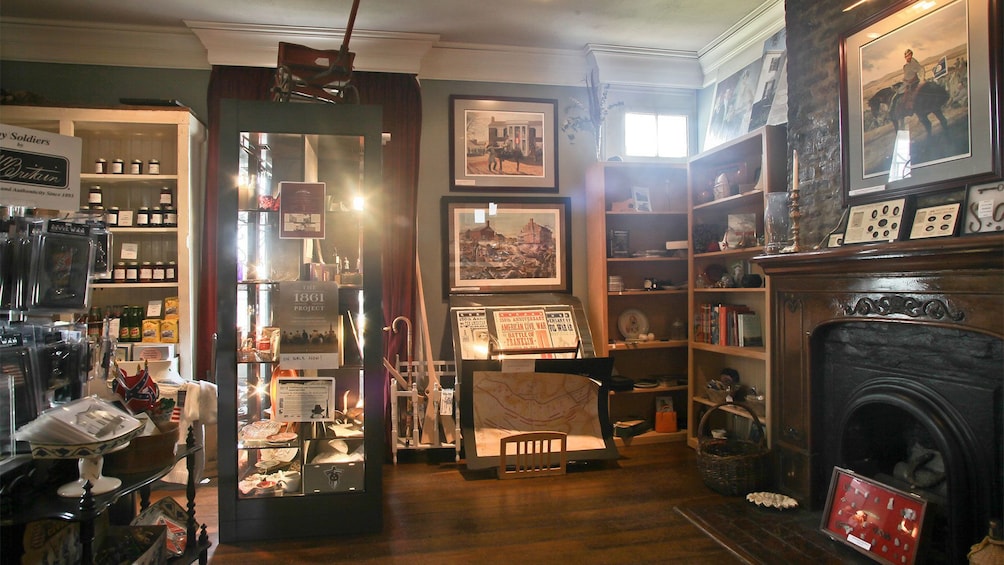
(400, 97)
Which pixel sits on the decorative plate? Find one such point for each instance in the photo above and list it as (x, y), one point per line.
(632, 323)
(282, 437)
(78, 450)
(260, 429)
(167, 512)
(772, 500)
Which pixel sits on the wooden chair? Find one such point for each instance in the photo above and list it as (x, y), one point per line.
(536, 454)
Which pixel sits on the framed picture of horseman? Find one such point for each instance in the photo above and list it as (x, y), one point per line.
(919, 99)
(503, 144)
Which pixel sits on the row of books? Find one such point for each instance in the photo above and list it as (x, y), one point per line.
(729, 324)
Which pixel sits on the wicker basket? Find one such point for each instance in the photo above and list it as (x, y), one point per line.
(732, 467)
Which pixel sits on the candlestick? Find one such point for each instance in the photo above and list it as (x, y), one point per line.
(794, 171)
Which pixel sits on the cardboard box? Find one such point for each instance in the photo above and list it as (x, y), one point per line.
(151, 331)
(169, 331)
(665, 422)
(153, 351)
(333, 477)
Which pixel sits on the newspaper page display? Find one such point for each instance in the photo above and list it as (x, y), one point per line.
(305, 399)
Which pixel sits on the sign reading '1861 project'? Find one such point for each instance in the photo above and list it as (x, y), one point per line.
(309, 325)
(39, 169)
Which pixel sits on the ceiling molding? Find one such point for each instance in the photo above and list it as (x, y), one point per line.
(741, 43)
(645, 67)
(250, 45)
(52, 41)
(203, 44)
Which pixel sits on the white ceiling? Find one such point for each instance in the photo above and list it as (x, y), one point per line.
(232, 31)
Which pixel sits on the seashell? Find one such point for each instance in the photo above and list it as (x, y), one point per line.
(772, 500)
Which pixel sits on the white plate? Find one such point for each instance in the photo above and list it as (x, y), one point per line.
(632, 323)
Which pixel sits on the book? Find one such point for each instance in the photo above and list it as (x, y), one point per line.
(749, 330)
(618, 244)
(307, 315)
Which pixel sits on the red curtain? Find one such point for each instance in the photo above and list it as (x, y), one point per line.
(400, 97)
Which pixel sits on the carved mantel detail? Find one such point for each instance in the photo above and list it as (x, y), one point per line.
(933, 309)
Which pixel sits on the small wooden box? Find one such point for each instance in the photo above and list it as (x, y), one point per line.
(144, 454)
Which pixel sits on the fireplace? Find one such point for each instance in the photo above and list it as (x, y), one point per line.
(887, 360)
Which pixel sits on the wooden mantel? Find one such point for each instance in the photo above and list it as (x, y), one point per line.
(949, 282)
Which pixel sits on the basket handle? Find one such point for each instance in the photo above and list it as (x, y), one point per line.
(756, 420)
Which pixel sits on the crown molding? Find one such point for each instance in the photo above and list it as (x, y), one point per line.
(635, 66)
(77, 43)
(250, 45)
(202, 44)
(742, 43)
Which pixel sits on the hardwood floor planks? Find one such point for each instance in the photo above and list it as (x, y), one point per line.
(613, 512)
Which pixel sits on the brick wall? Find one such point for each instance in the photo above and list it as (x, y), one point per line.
(813, 34)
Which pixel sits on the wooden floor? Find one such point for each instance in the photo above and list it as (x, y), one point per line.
(439, 512)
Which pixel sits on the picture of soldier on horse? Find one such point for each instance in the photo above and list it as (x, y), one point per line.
(504, 143)
(919, 93)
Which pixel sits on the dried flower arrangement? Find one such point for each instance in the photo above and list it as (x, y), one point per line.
(590, 116)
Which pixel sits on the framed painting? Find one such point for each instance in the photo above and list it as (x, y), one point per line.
(503, 144)
(506, 245)
(917, 106)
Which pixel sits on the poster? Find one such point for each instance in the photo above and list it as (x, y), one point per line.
(522, 329)
(472, 328)
(301, 210)
(39, 169)
(308, 319)
(305, 399)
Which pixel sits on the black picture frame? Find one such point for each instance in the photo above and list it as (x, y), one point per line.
(964, 63)
(531, 236)
(503, 144)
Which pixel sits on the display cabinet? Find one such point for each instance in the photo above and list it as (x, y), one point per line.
(729, 295)
(637, 249)
(298, 360)
(142, 171)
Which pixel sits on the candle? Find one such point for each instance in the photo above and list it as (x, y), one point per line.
(794, 171)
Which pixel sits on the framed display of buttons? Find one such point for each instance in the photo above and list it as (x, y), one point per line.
(984, 208)
(936, 221)
(876, 222)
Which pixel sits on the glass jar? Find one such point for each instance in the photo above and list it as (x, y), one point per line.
(159, 272)
(146, 272)
(119, 273)
(143, 217)
(112, 216)
(95, 198)
(156, 217)
(118, 167)
(153, 167)
(100, 166)
(166, 196)
(132, 272)
(136, 167)
(170, 217)
(171, 272)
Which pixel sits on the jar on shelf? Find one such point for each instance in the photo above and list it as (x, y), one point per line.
(143, 217)
(153, 167)
(119, 272)
(156, 217)
(159, 272)
(170, 217)
(136, 167)
(101, 166)
(95, 198)
(112, 216)
(171, 272)
(146, 272)
(118, 167)
(166, 196)
(132, 272)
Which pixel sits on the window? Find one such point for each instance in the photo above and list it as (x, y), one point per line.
(655, 135)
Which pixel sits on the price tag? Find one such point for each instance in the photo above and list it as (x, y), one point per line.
(153, 308)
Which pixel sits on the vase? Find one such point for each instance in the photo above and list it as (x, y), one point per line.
(599, 143)
(776, 221)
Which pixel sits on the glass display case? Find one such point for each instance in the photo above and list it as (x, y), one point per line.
(298, 339)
